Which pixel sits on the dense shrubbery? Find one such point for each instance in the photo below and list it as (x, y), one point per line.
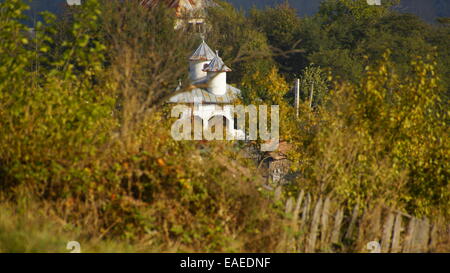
(379, 120)
(85, 136)
(383, 141)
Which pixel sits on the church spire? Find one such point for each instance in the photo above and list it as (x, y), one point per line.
(203, 53)
(217, 65)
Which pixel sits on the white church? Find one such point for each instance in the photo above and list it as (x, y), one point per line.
(210, 93)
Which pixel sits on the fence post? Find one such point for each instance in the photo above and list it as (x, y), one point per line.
(387, 233)
(311, 243)
(397, 232)
(433, 238)
(297, 207)
(295, 222)
(409, 236)
(305, 211)
(336, 234)
(324, 224)
(422, 237)
(351, 227)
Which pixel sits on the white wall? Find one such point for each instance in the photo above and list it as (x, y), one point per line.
(206, 112)
(196, 70)
(217, 83)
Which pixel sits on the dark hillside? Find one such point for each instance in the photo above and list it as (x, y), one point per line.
(427, 9)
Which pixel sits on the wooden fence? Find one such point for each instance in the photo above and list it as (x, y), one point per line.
(322, 225)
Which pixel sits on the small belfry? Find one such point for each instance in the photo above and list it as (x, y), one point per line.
(199, 60)
(217, 75)
(208, 76)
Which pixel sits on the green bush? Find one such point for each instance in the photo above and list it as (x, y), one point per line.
(84, 133)
(383, 141)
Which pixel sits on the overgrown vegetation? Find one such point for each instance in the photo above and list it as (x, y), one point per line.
(85, 135)
(379, 119)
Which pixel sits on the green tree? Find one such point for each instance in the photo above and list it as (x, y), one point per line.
(281, 25)
(313, 85)
(383, 140)
(242, 46)
(54, 116)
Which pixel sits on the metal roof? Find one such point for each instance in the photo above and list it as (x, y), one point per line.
(199, 95)
(203, 53)
(217, 65)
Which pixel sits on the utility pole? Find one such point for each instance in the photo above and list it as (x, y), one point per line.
(311, 95)
(297, 95)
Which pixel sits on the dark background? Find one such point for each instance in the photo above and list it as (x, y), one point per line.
(429, 10)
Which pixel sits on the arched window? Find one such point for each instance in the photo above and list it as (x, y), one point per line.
(213, 125)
